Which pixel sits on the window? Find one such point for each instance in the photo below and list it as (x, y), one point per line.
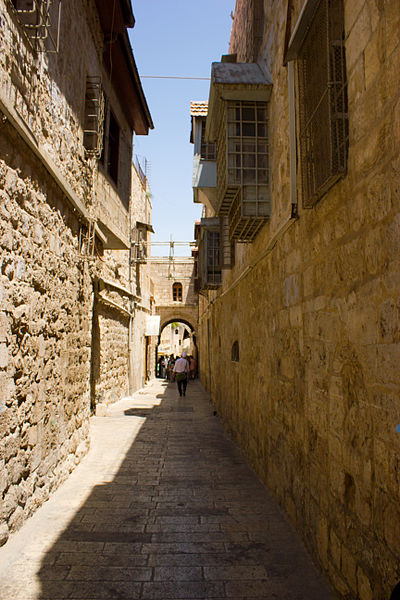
(247, 155)
(323, 112)
(94, 117)
(24, 5)
(177, 292)
(140, 245)
(207, 149)
(41, 20)
(113, 148)
(211, 259)
(243, 168)
(238, 121)
(235, 351)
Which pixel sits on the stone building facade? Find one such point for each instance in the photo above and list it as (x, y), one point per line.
(175, 295)
(300, 342)
(66, 124)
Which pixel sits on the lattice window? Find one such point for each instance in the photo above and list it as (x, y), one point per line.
(94, 117)
(139, 245)
(211, 258)
(323, 107)
(208, 149)
(243, 168)
(41, 21)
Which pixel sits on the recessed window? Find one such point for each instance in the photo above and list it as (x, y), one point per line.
(94, 117)
(113, 148)
(235, 351)
(177, 292)
(208, 150)
(323, 111)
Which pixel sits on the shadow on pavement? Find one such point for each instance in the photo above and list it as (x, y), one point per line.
(184, 517)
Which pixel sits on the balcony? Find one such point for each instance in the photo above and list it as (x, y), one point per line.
(204, 179)
(238, 122)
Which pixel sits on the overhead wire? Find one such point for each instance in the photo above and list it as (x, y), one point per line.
(173, 77)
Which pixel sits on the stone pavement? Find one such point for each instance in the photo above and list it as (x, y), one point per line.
(163, 507)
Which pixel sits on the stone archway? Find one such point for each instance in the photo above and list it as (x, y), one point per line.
(188, 324)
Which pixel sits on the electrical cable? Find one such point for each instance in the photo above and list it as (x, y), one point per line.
(173, 77)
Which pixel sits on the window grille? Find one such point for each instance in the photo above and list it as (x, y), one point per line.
(243, 168)
(139, 246)
(94, 117)
(41, 20)
(323, 107)
(207, 149)
(177, 292)
(211, 259)
(140, 171)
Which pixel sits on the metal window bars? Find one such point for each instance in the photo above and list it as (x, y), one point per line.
(323, 102)
(41, 20)
(243, 168)
(212, 275)
(208, 149)
(93, 131)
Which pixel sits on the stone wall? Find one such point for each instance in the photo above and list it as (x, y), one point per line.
(123, 356)
(165, 272)
(45, 310)
(45, 285)
(46, 271)
(314, 398)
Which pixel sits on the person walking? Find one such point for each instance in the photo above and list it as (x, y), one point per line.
(170, 367)
(161, 367)
(192, 367)
(181, 370)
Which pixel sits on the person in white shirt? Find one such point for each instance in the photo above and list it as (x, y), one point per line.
(181, 370)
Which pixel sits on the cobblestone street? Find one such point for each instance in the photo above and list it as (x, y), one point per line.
(163, 507)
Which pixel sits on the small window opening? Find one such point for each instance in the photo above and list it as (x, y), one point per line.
(113, 148)
(177, 292)
(208, 149)
(235, 351)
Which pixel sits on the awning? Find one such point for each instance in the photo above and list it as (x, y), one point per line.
(235, 81)
(147, 226)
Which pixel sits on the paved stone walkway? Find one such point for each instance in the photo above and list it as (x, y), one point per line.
(163, 507)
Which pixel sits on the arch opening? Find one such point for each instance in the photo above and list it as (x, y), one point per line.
(177, 335)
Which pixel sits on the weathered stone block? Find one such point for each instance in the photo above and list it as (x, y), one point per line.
(16, 519)
(4, 533)
(364, 585)
(4, 356)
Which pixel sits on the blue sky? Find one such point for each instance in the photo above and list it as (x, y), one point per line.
(175, 38)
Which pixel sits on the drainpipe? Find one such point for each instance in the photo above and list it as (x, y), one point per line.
(292, 139)
(131, 301)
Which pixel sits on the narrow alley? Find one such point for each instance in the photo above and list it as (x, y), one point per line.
(163, 506)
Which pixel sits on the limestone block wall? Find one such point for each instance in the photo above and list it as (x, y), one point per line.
(111, 354)
(47, 89)
(46, 295)
(313, 397)
(142, 351)
(165, 273)
(45, 310)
